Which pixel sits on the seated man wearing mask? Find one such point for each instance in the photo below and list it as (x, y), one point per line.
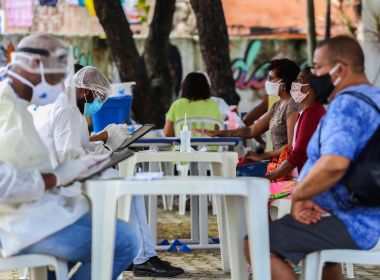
(45, 221)
(323, 215)
(64, 130)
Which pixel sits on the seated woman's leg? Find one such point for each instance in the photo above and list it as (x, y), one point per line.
(73, 244)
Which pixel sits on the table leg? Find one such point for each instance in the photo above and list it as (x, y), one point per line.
(220, 210)
(203, 208)
(103, 230)
(258, 229)
(194, 217)
(236, 227)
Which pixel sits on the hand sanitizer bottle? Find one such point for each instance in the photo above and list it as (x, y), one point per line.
(185, 138)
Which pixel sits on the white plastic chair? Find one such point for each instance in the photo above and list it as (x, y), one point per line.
(279, 208)
(38, 264)
(313, 265)
(195, 123)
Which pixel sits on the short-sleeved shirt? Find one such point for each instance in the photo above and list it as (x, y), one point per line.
(207, 108)
(280, 112)
(344, 131)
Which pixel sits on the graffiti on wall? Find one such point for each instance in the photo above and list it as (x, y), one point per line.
(83, 58)
(247, 73)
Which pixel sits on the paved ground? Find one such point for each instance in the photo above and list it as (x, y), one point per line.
(200, 264)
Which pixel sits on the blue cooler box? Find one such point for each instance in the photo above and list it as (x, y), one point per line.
(115, 110)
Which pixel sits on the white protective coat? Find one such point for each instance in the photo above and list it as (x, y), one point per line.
(25, 221)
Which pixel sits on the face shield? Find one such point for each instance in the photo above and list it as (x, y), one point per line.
(29, 59)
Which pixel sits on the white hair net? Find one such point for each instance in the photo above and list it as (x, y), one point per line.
(41, 48)
(91, 78)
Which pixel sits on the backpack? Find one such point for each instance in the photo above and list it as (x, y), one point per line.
(362, 179)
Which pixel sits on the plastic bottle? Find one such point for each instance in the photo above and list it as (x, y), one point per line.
(185, 138)
(232, 122)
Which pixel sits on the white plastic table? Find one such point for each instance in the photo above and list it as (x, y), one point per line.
(222, 164)
(246, 207)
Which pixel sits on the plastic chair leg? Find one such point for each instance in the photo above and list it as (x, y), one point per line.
(310, 267)
(61, 270)
(38, 273)
(182, 204)
(23, 273)
(350, 270)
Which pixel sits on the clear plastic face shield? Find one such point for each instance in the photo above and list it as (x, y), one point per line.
(42, 62)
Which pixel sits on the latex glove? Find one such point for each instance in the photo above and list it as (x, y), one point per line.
(70, 170)
(117, 133)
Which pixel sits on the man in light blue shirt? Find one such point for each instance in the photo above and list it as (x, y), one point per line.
(319, 219)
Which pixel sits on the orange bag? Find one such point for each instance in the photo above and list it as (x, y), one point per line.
(275, 163)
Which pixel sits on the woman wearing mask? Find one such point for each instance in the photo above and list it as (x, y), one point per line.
(280, 119)
(195, 101)
(311, 112)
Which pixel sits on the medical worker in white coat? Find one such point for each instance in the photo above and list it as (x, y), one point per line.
(38, 220)
(63, 128)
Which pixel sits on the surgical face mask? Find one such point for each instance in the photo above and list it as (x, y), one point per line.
(93, 107)
(296, 92)
(323, 86)
(42, 93)
(271, 88)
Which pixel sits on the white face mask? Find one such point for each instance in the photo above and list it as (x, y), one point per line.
(43, 93)
(296, 92)
(271, 88)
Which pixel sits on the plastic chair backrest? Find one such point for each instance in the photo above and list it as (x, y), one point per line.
(197, 122)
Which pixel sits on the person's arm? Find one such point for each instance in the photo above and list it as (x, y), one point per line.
(169, 129)
(101, 136)
(326, 172)
(285, 168)
(67, 130)
(256, 112)
(290, 123)
(50, 180)
(264, 156)
(22, 185)
(257, 129)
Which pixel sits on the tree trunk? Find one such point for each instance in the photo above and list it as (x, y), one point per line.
(156, 54)
(311, 35)
(130, 65)
(328, 19)
(213, 40)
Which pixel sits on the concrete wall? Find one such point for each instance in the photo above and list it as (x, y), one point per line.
(249, 58)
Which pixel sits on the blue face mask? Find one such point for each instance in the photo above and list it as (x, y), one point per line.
(92, 108)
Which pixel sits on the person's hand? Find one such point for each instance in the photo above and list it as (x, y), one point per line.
(272, 176)
(117, 133)
(253, 156)
(70, 170)
(307, 211)
(208, 132)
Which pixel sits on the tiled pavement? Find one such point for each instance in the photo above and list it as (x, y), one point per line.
(200, 264)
